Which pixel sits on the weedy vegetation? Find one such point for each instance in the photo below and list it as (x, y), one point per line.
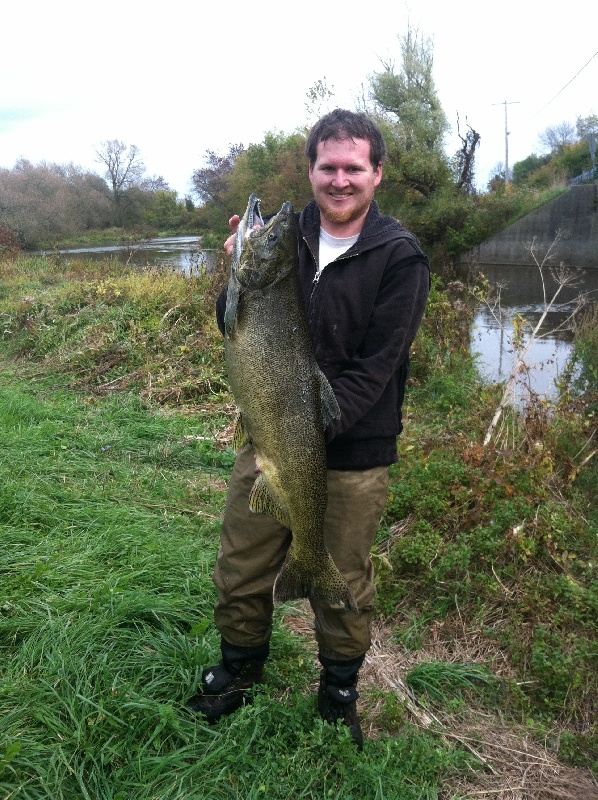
(116, 421)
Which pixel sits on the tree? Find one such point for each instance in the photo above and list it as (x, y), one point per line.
(45, 202)
(409, 97)
(210, 182)
(165, 212)
(523, 169)
(155, 183)
(555, 169)
(413, 122)
(9, 242)
(584, 126)
(124, 171)
(318, 99)
(465, 159)
(556, 137)
(497, 180)
(276, 169)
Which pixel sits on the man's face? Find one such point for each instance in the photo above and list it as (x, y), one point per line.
(343, 182)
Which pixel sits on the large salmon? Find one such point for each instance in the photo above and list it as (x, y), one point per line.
(284, 400)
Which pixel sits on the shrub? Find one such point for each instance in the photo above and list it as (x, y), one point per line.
(9, 242)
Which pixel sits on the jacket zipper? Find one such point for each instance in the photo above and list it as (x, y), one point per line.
(316, 278)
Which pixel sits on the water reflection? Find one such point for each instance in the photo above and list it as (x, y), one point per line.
(522, 293)
(493, 346)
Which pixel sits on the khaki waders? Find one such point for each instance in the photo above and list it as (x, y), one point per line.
(254, 546)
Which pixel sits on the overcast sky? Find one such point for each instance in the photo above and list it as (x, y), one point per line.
(179, 78)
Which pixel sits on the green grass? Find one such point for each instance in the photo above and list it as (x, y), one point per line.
(450, 682)
(109, 523)
(113, 471)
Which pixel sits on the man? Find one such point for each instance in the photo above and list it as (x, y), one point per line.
(365, 283)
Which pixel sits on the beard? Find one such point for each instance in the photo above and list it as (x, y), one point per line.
(340, 216)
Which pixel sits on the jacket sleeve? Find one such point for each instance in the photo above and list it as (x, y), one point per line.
(395, 319)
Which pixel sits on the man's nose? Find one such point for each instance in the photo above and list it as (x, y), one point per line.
(340, 178)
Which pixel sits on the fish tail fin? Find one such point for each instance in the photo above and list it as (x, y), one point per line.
(295, 581)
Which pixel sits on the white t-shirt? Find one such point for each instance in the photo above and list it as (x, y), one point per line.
(331, 247)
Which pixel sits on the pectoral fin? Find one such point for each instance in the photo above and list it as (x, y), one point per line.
(262, 501)
(240, 437)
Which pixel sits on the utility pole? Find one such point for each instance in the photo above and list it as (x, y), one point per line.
(505, 103)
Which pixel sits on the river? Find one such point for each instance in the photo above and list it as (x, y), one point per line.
(521, 293)
(175, 252)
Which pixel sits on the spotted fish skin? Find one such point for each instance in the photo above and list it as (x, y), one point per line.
(284, 400)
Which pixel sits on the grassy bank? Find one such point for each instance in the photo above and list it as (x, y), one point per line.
(115, 419)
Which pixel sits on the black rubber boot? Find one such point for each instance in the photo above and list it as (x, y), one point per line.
(337, 695)
(225, 686)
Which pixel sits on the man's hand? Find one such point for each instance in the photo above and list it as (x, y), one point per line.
(234, 224)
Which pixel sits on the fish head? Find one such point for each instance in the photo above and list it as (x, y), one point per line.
(270, 252)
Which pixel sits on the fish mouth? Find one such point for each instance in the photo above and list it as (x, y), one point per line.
(251, 218)
(247, 227)
(267, 245)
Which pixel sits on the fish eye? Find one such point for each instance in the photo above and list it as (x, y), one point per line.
(271, 237)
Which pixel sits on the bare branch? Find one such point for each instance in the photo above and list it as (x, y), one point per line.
(525, 334)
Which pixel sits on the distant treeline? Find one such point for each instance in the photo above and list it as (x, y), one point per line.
(45, 203)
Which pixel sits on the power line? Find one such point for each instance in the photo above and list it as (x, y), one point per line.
(541, 109)
(485, 167)
(560, 91)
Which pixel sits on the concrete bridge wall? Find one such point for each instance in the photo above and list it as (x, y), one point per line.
(573, 215)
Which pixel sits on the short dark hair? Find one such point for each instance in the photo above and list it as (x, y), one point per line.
(343, 124)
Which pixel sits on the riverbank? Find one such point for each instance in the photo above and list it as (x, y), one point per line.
(116, 416)
(110, 236)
